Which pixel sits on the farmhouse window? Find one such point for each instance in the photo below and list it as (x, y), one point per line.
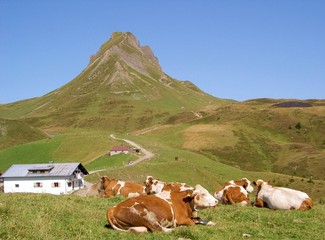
(17, 185)
(56, 184)
(69, 184)
(38, 185)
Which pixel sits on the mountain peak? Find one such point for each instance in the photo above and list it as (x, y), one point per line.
(116, 40)
(125, 48)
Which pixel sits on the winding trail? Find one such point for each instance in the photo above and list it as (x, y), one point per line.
(147, 154)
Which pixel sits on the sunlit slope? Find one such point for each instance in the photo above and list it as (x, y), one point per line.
(256, 136)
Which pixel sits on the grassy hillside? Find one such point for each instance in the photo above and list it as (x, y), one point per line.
(73, 217)
(15, 132)
(255, 136)
(82, 147)
(212, 146)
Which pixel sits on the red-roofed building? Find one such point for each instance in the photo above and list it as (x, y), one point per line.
(119, 150)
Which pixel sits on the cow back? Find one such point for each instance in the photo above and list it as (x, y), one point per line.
(132, 189)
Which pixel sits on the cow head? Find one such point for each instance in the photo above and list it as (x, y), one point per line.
(153, 185)
(103, 181)
(149, 180)
(259, 184)
(247, 185)
(202, 198)
(107, 182)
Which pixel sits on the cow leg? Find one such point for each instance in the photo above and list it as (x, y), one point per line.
(150, 221)
(115, 221)
(187, 221)
(136, 219)
(224, 198)
(259, 202)
(245, 202)
(144, 229)
(138, 229)
(229, 198)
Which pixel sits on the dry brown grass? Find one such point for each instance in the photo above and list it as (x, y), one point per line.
(206, 136)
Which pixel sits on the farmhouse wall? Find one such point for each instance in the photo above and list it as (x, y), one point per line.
(38, 185)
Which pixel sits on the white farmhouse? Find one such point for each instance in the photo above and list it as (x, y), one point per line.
(119, 150)
(54, 178)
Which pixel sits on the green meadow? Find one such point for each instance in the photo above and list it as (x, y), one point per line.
(43, 216)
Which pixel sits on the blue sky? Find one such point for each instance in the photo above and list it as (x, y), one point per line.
(230, 49)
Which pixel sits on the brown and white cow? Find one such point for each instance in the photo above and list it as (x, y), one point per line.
(160, 212)
(235, 195)
(234, 192)
(154, 186)
(112, 187)
(280, 198)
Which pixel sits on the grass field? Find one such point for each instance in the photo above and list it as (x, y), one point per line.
(172, 162)
(42, 216)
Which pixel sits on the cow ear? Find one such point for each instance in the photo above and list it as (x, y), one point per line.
(254, 183)
(189, 197)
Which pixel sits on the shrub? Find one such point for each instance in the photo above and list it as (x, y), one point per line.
(298, 126)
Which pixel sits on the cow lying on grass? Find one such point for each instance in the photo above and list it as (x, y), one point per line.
(280, 198)
(160, 212)
(112, 187)
(235, 192)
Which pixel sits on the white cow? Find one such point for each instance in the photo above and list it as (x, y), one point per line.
(280, 198)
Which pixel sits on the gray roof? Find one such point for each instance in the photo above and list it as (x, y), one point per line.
(49, 169)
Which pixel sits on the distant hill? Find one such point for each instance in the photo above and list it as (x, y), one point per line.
(292, 104)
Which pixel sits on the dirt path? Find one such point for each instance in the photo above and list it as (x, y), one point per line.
(146, 154)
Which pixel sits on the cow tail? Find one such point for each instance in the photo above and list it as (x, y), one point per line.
(112, 221)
